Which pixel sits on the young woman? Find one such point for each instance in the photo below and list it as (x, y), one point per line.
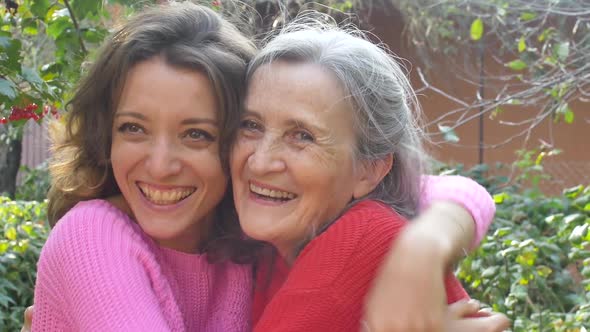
(150, 128)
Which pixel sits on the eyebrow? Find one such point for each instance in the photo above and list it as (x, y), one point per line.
(189, 121)
(299, 123)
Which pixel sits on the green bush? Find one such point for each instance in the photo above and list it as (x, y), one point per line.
(534, 265)
(34, 183)
(23, 230)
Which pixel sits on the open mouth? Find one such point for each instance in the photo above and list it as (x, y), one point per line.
(165, 197)
(271, 194)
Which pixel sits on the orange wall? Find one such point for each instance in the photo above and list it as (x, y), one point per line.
(573, 165)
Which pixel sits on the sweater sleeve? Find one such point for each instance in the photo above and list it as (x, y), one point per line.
(95, 275)
(328, 282)
(465, 192)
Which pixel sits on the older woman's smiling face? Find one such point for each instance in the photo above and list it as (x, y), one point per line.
(292, 165)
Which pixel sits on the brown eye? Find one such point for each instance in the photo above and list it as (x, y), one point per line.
(198, 135)
(131, 128)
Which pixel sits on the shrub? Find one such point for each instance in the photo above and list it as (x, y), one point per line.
(535, 263)
(34, 183)
(23, 230)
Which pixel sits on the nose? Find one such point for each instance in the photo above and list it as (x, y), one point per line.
(163, 160)
(266, 157)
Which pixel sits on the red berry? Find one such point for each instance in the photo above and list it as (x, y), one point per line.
(3, 121)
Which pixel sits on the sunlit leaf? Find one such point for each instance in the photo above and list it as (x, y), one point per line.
(521, 44)
(517, 65)
(476, 31)
(527, 16)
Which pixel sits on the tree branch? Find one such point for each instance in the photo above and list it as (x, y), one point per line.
(78, 32)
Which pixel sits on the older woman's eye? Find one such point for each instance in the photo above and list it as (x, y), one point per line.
(250, 125)
(302, 135)
(131, 128)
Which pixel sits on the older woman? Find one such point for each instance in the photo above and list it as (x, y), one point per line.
(326, 168)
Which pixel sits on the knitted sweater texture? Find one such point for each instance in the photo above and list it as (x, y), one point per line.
(99, 272)
(326, 285)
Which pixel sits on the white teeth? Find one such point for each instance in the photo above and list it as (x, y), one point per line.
(166, 197)
(271, 193)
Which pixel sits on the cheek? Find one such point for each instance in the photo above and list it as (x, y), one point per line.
(239, 156)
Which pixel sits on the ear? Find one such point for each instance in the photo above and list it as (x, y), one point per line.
(370, 175)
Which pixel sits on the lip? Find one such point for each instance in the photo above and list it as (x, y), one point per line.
(256, 199)
(265, 186)
(162, 208)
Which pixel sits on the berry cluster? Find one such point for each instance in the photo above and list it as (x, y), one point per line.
(29, 112)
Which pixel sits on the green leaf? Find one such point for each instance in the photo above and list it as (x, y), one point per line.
(573, 192)
(39, 8)
(546, 34)
(499, 198)
(56, 27)
(521, 45)
(543, 271)
(476, 31)
(82, 8)
(574, 218)
(527, 16)
(517, 65)
(562, 50)
(578, 233)
(10, 233)
(7, 88)
(449, 134)
(568, 116)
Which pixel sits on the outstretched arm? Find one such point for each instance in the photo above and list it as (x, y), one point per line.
(455, 214)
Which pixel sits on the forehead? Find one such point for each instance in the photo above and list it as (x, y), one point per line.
(304, 84)
(155, 85)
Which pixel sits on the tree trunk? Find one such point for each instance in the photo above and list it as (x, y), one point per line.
(10, 155)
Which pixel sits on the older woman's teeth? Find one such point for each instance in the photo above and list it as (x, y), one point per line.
(165, 197)
(271, 193)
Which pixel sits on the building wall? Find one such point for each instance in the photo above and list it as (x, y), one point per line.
(569, 168)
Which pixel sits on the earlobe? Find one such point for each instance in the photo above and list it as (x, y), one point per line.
(371, 174)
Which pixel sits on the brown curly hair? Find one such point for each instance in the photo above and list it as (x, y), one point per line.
(185, 35)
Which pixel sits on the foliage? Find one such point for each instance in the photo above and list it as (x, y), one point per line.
(34, 183)
(22, 233)
(542, 44)
(535, 263)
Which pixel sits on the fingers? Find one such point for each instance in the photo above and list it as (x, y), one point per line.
(492, 323)
(462, 309)
(28, 316)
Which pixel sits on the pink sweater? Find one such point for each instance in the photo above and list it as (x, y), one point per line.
(463, 191)
(99, 272)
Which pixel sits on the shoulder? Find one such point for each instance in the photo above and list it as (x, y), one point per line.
(368, 227)
(91, 229)
(94, 218)
(366, 218)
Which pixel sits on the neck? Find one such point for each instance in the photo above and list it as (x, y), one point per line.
(192, 241)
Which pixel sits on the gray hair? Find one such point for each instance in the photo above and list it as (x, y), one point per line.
(386, 108)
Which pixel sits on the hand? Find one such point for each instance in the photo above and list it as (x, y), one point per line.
(28, 316)
(408, 294)
(478, 320)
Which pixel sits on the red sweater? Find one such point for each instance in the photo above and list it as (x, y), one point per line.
(327, 284)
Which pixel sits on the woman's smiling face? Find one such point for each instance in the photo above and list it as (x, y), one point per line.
(293, 166)
(165, 152)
